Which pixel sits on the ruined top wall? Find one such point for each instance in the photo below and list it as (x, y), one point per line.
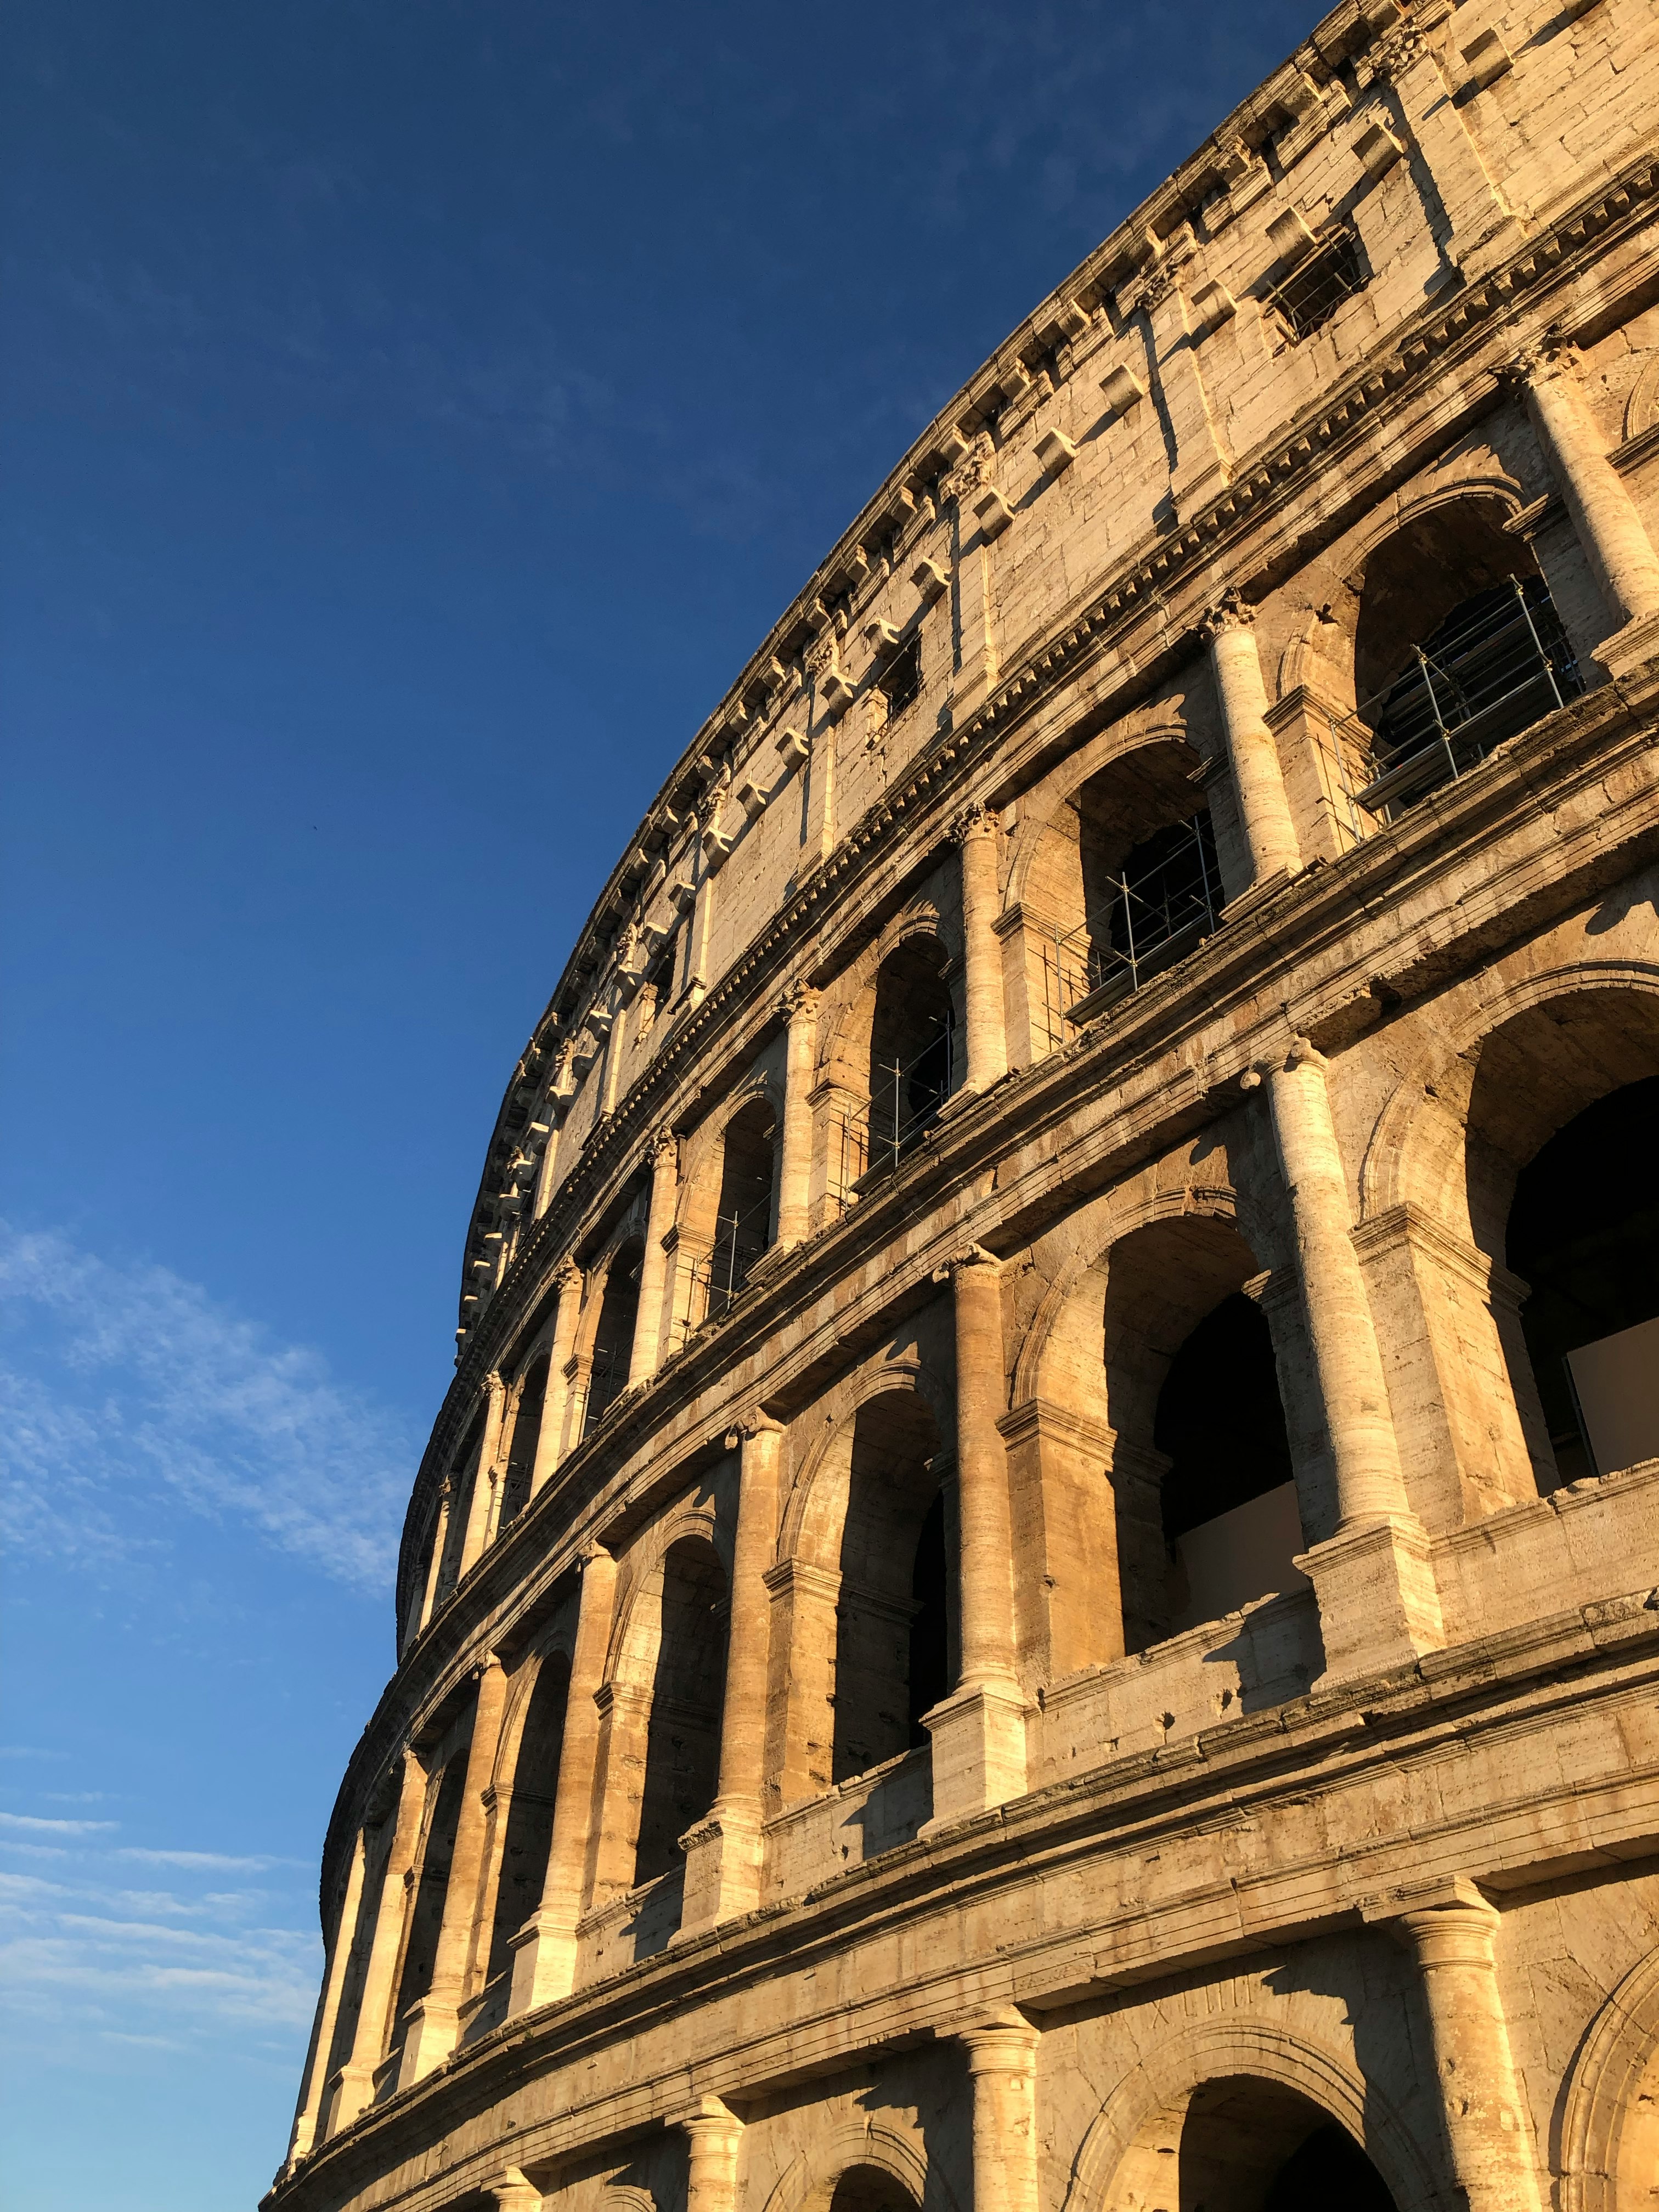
(1144, 427)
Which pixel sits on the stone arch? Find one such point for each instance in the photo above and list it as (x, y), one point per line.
(524, 1782)
(695, 1520)
(1605, 2147)
(906, 1372)
(1038, 811)
(1641, 408)
(1121, 2143)
(809, 2184)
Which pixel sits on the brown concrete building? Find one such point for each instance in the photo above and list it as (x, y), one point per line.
(1037, 1590)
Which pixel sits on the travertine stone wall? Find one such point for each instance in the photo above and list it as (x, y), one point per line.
(1001, 1616)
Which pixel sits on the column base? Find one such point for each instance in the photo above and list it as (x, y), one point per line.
(544, 1964)
(979, 1751)
(348, 2096)
(723, 1857)
(1629, 648)
(431, 2032)
(1260, 892)
(1378, 1604)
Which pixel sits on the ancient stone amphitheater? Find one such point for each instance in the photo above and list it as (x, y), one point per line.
(1037, 1587)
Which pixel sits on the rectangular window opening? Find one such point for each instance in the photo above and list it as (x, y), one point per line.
(1316, 287)
(901, 680)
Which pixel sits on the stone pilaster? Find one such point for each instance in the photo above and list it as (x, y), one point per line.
(724, 1852)
(434, 2023)
(645, 1356)
(1610, 527)
(480, 1507)
(1002, 2068)
(352, 2088)
(544, 1948)
(974, 833)
(549, 1441)
(1258, 780)
(1493, 2163)
(978, 1731)
(328, 2008)
(713, 2135)
(795, 1160)
(1377, 1599)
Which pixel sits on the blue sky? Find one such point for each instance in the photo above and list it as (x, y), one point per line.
(410, 417)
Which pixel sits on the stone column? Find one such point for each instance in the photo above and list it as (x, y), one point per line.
(328, 2009)
(660, 1219)
(1493, 2162)
(353, 2086)
(481, 1505)
(544, 1948)
(1483, 228)
(981, 513)
(1002, 2068)
(1377, 1599)
(724, 1852)
(795, 1160)
(440, 1540)
(974, 834)
(1258, 780)
(714, 2133)
(1609, 525)
(435, 2022)
(550, 1440)
(978, 1732)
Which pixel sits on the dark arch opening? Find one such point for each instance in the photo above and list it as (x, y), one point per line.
(1585, 1236)
(1152, 886)
(893, 1659)
(744, 1217)
(529, 1834)
(1230, 1513)
(1248, 2145)
(613, 1338)
(912, 1049)
(426, 1914)
(463, 1479)
(867, 2188)
(688, 1689)
(527, 1436)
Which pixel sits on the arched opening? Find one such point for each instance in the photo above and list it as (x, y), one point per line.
(893, 1617)
(1207, 1508)
(1565, 1216)
(1151, 888)
(463, 1479)
(527, 1436)
(613, 1338)
(745, 1218)
(528, 1836)
(425, 1917)
(687, 1688)
(1253, 2146)
(870, 2189)
(912, 1050)
(1587, 1241)
(1231, 1524)
(1457, 647)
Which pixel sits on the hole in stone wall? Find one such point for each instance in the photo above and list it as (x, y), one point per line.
(683, 1739)
(528, 1836)
(613, 1338)
(1586, 1237)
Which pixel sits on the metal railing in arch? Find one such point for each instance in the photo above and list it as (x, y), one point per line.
(1151, 916)
(870, 1139)
(1496, 665)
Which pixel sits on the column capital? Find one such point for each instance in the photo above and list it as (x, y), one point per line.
(494, 1384)
(1005, 2042)
(1229, 612)
(799, 998)
(1546, 358)
(975, 820)
(707, 2118)
(748, 1426)
(1397, 52)
(971, 1256)
(972, 471)
(663, 1142)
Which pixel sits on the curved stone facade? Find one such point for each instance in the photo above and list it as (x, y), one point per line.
(1036, 1591)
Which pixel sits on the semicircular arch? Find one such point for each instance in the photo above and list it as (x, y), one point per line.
(809, 2184)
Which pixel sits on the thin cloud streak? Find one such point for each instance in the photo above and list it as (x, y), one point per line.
(120, 1381)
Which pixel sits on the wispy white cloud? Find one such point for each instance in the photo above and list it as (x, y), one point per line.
(116, 1380)
(36, 1826)
(220, 1862)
